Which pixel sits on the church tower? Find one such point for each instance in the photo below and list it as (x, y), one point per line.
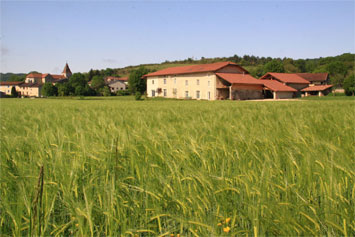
(66, 71)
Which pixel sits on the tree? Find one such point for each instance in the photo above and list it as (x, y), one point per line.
(49, 90)
(301, 65)
(136, 82)
(274, 66)
(97, 82)
(15, 77)
(14, 93)
(77, 79)
(80, 90)
(257, 71)
(64, 89)
(337, 67)
(349, 85)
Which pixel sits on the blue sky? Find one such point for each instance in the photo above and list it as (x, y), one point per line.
(42, 36)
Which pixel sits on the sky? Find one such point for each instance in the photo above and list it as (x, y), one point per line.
(44, 35)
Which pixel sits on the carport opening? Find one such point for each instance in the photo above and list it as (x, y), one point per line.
(268, 94)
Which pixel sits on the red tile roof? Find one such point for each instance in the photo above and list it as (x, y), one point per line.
(277, 86)
(10, 83)
(30, 85)
(123, 78)
(286, 77)
(235, 78)
(212, 67)
(35, 75)
(314, 76)
(317, 88)
(55, 76)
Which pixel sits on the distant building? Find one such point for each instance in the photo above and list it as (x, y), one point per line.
(116, 83)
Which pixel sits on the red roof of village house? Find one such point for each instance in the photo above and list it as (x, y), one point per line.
(56, 76)
(30, 85)
(317, 88)
(277, 86)
(314, 76)
(286, 77)
(123, 78)
(35, 75)
(10, 83)
(212, 67)
(236, 78)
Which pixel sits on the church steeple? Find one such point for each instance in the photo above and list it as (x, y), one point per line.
(66, 71)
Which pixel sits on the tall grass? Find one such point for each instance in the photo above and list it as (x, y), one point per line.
(153, 168)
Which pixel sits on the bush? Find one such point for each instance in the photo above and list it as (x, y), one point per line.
(14, 93)
(138, 96)
(123, 92)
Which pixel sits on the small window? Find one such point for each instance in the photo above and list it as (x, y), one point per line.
(209, 95)
(153, 93)
(165, 93)
(153, 82)
(209, 83)
(186, 82)
(164, 81)
(174, 91)
(186, 94)
(198, 82)
(198, 94)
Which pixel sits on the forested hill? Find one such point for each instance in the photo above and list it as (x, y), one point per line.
(12, 76)
(339, 67)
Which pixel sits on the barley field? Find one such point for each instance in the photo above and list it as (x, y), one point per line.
(120, 167)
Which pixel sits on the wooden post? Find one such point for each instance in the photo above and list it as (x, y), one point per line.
(230, 92)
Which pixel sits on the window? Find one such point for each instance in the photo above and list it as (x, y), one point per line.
(164, 81)
(174, 91)
(209, 95)
(209, 83)
(153, 93)
(186, 82)
(186, 94)
(198, 82)
(198, 94)
(165, 92)
(153, 82)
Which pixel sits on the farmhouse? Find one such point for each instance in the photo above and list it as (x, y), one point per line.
(216, 81)
(304, 84)
(315, 78)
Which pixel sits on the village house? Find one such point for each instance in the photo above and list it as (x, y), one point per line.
(215, 81)
(6, 86)
(34, 81)
(116, 83)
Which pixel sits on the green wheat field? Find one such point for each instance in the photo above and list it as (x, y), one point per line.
(120, 167)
